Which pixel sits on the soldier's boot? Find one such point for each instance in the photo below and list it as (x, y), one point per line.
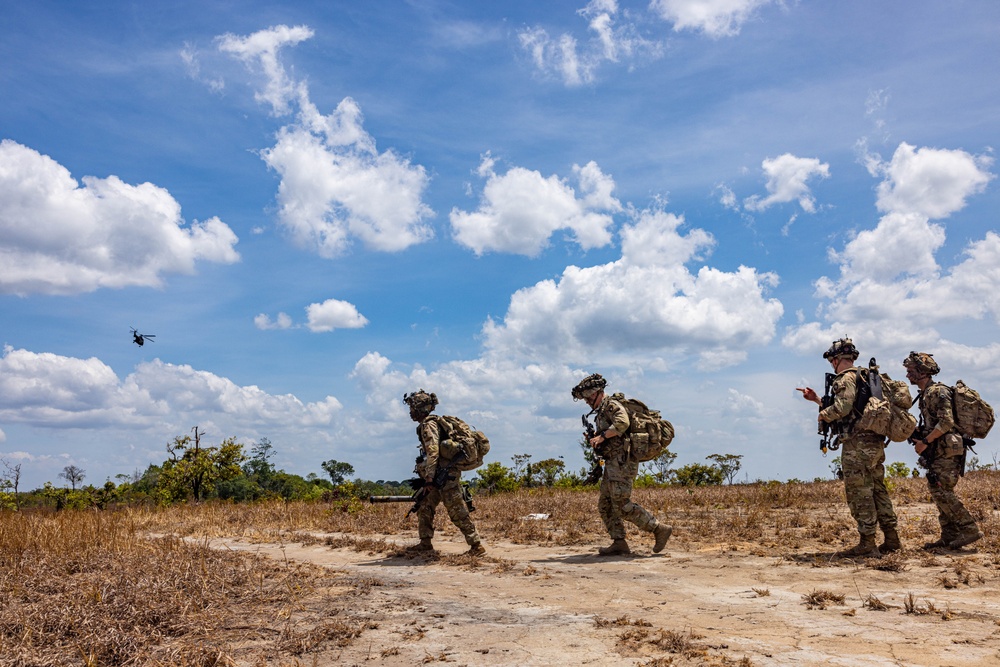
(865, 549)
(423, 545)
(619, 546)
(892, 543)
(476, 549)
(966, 538)
(948, 535)
(940, 543)
(662, 533)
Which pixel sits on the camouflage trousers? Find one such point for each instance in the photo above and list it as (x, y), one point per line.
(862, 461)
(615, 503)
(451, 495)
(952, 515)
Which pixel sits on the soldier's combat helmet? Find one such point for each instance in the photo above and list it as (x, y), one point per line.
(588, 385)
(842, 348)
(923, 363)
(420, 401)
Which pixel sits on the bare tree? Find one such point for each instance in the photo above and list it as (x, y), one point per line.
(728, 464)
(11, 478)
(73, 475)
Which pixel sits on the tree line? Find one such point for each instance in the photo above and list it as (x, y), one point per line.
(194, 472)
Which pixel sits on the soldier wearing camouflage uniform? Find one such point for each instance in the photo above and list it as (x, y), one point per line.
(862, 457)
(941, 445)
(620, 470)
(428, 431)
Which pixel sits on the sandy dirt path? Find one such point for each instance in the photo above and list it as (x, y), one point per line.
(532, 605)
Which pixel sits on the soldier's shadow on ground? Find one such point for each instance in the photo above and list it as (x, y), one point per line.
(595, 558)
(816, 558)
(402, 557)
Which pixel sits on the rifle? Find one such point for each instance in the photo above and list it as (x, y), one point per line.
(825, 427)
(597, 470)
(925, 459)
(421, 488)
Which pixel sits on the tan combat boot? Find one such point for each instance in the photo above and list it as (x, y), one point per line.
(892, 543)
(476, 549)
(865, 549)
(662, 533)
(619, 546)
(423, 545)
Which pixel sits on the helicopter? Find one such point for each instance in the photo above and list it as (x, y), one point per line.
(140, 339)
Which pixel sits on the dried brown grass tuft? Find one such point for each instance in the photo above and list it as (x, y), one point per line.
(894, 562)
(820, 599)
(873, 603)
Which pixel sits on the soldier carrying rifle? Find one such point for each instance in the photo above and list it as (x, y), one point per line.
(941, 447)
(863, 456)
(442, 478)
(611, 442)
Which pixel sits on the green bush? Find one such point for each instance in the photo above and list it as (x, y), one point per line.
(698, 474)
(496, 478)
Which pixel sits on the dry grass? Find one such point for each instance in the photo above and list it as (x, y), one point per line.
(681, 648)
(141, 586)
(87, 588)
(768, 519)
(821, 599)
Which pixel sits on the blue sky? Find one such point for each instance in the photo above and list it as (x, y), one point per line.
(319, 206)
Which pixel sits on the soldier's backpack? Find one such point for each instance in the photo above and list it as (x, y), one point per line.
(455, 436)
(649, 434)
(973, 416)
(882, 405)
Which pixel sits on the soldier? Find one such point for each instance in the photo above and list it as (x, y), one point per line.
(942, 448)
(620, 470)
(862, 458)
(429, 462)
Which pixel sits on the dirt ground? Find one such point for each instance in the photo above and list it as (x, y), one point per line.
(690, 605)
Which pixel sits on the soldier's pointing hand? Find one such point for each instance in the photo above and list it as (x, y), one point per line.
(810, 394)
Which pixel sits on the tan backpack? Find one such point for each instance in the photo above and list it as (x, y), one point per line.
(973, 416)
(461, 443)
(649, 434)
(887, 415)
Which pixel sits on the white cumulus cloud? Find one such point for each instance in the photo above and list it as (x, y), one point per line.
(647, 300)
(54, 391)
(521, 209)
(787, 177)
(334, 314)
(60, 237)
(930, 182)
(715, 18)
(335, 184)
(892, 285)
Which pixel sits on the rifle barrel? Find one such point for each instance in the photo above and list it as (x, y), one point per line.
(390, 499)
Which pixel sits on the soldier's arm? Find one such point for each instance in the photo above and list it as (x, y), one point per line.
(940, 412)
(845, 390)
(430, 443)
(618, 416)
